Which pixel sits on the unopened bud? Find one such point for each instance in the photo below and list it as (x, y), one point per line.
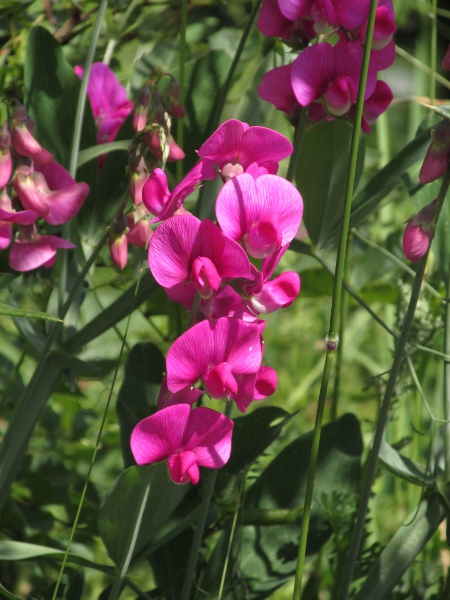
(419, 232)
(5, 155)
(446, 60)
(438, 153)
(141, 109)
(170, 98)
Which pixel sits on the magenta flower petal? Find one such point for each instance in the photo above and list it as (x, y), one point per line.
(40, 250)
(183, 468)
(242, 203)
(237, 143)
(155, 192)
(26, 189)
(159, 436)
(415, 242)
(208, 436)
(266, 382)
(312, 72)
(279, 293)
(295, 9)
(276, 87)
(187, 395)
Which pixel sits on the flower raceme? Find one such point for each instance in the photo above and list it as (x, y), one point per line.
(188, 438)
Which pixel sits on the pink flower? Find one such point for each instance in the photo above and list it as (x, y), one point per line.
(266, 382)
(187, 395)
(31, 250)
(331, 73)
(419, 232)
(384, 28)
(273, 23)
(5, 155)
(50, 191)
(278, 293)
(235, 146)
(109, 102)
(264, 214)
(438, 153)
(154, 145)
(446, 60)
(276, 87)
(188, 256)
(22, 137)
(225, 356)
(349, 14)
(189, 439)
(161, 202)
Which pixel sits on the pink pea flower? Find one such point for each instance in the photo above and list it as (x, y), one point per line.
(278, 293)
(164, 204)
(188, 256)
(154, 145)
(446, 60)
(108, 99)
(31, 250)
(438, 153)
(8, 216)
(187, 395)
(51, 191)
(22, 138)
(419, 232)
(235, 146)
(225, 356)
(349, 14)
(276, 88)
(331, 73)
(264, 214)
(133, 229)
(374, 106)
(272, 23)
(188, 438)
(266, 382)
(5, 155)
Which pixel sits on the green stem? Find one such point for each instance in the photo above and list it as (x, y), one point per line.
(199, 528)
(125, 563)
(298, 138)
(332, 337)
(371, 466)
(433, 51)
(339, 352)
(181, 77)
(447, 382)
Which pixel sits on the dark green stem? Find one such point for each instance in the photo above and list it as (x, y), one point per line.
(371, 466)
(180, 122)
(199, 528)
(332, 337)
(298, 138)
(447, 382)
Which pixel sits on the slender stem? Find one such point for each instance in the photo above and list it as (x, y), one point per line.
(199, 528)
(332, 337)
(384, 411)
(181, 77)
(420, 65)
(97, 445)
(339, 352)
(433, 51)
(298, 138)
(125, 563)
(447, 382)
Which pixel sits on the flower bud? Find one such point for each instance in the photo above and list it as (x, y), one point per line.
(22, 137)
(5, 155)
(141, 109)
(446, 60)
(171, 99)
(419, 232)
(438, 153)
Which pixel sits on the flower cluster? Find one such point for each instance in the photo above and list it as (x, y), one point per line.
(34, 188)
(210, 269)
(153, 144)
(324, 77)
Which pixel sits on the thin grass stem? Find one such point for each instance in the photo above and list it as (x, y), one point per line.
(447, 382)
(181, 81)
(332, 337)
(371, 465)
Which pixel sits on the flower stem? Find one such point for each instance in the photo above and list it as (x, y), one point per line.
(199, 528)
(447, 382)
(332, 337)
(180, 122)
(298, 138)
(433, 51)
(384, 411)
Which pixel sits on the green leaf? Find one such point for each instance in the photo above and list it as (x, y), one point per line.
(15, 551)
(51, 95)
(264, 558)
(10, 311)
(160, 521)
(96, 369)
(321, 177)
(7, 595)
(252, 434)
(402, 550)
(95, 151)
(404, 467)
(139, 392)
